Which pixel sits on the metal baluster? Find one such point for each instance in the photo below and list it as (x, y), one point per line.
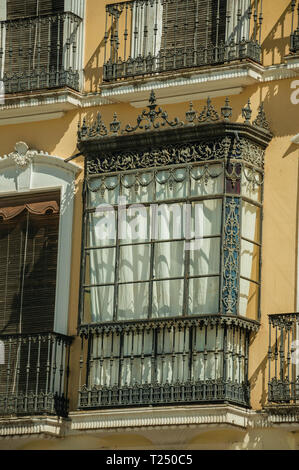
(239, 23)
(132, 358)
(217, 32)
(233, 355)
(106, 36)
(261, 22)
(269, 355)
(90, 375)
(37, 372)
(38, 52)
(58, 50)
(136, 18)
(173, 354)
(192, 352)
(163, 355)
(156, 28)
(228, 16)
(276, 352)
(142, 359)
(81, 362)
(294, 371)
(54, 365)
(74, 45)
(288, 356)
(165, 26)
(255, 18)
(240, 357)
(281, 354)
(207, 31)
(10, 54)
(111, 358)
(175, 34)
(8, 370)
(68, 346)
(125, 34)
(2, 65)
(18, 365)
(205, 360)
(145, 32)
(185, 34)
(48, 364)
(196, 33)
(62, 365)
(27, 371)
(49, 52)
(102, 360)
(121, 357)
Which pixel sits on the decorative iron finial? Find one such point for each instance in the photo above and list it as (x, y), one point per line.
(209, 114)
(191, 114)
(226, 110)
(247, 112)
(154, 117)
(261, 119)
(114, 125)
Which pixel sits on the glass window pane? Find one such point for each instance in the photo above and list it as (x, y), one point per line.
(250, 257)
(98, 305)
(206, 217)
(205, 259)
(169, 221)
(206, 181)
(134, 263)
(134, 224)
(249, 299)
(133, 301)
(103, 190)
(204, 296)
(138, 188)
(169, 259)
(100, 266)
(251, 221)
(251, 184)
(102, 227)
(172, 184)
(168, 298)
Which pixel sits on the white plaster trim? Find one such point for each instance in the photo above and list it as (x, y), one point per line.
(44, 173)
(26, 426)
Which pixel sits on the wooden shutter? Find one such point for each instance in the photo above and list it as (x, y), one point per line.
(26, 8)
(184, 30)
(28, 258)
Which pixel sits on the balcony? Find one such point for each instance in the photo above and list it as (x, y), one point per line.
(34, 374)
(39, 53)
(283, 365)
(173, 361)
(146, 38)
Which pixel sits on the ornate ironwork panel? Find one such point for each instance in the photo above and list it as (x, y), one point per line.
(34, 374)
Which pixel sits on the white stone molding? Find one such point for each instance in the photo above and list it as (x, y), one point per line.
(31, 171)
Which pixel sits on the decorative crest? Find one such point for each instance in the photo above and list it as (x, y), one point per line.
(154, 117)
(209, 113)
(261, 119)
(247, 112)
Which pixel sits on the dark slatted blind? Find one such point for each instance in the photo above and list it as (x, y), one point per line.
(28, 259)
(185, 24)
(25, 8)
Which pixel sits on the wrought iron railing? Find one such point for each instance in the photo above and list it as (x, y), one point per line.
(153, 36)
(34, 374)
(283, 358)
(295, 32)
(40, 52)
(191, 360)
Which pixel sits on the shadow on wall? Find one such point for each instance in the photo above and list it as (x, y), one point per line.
(276, 45)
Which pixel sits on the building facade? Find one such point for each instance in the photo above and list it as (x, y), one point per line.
(149, 224)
